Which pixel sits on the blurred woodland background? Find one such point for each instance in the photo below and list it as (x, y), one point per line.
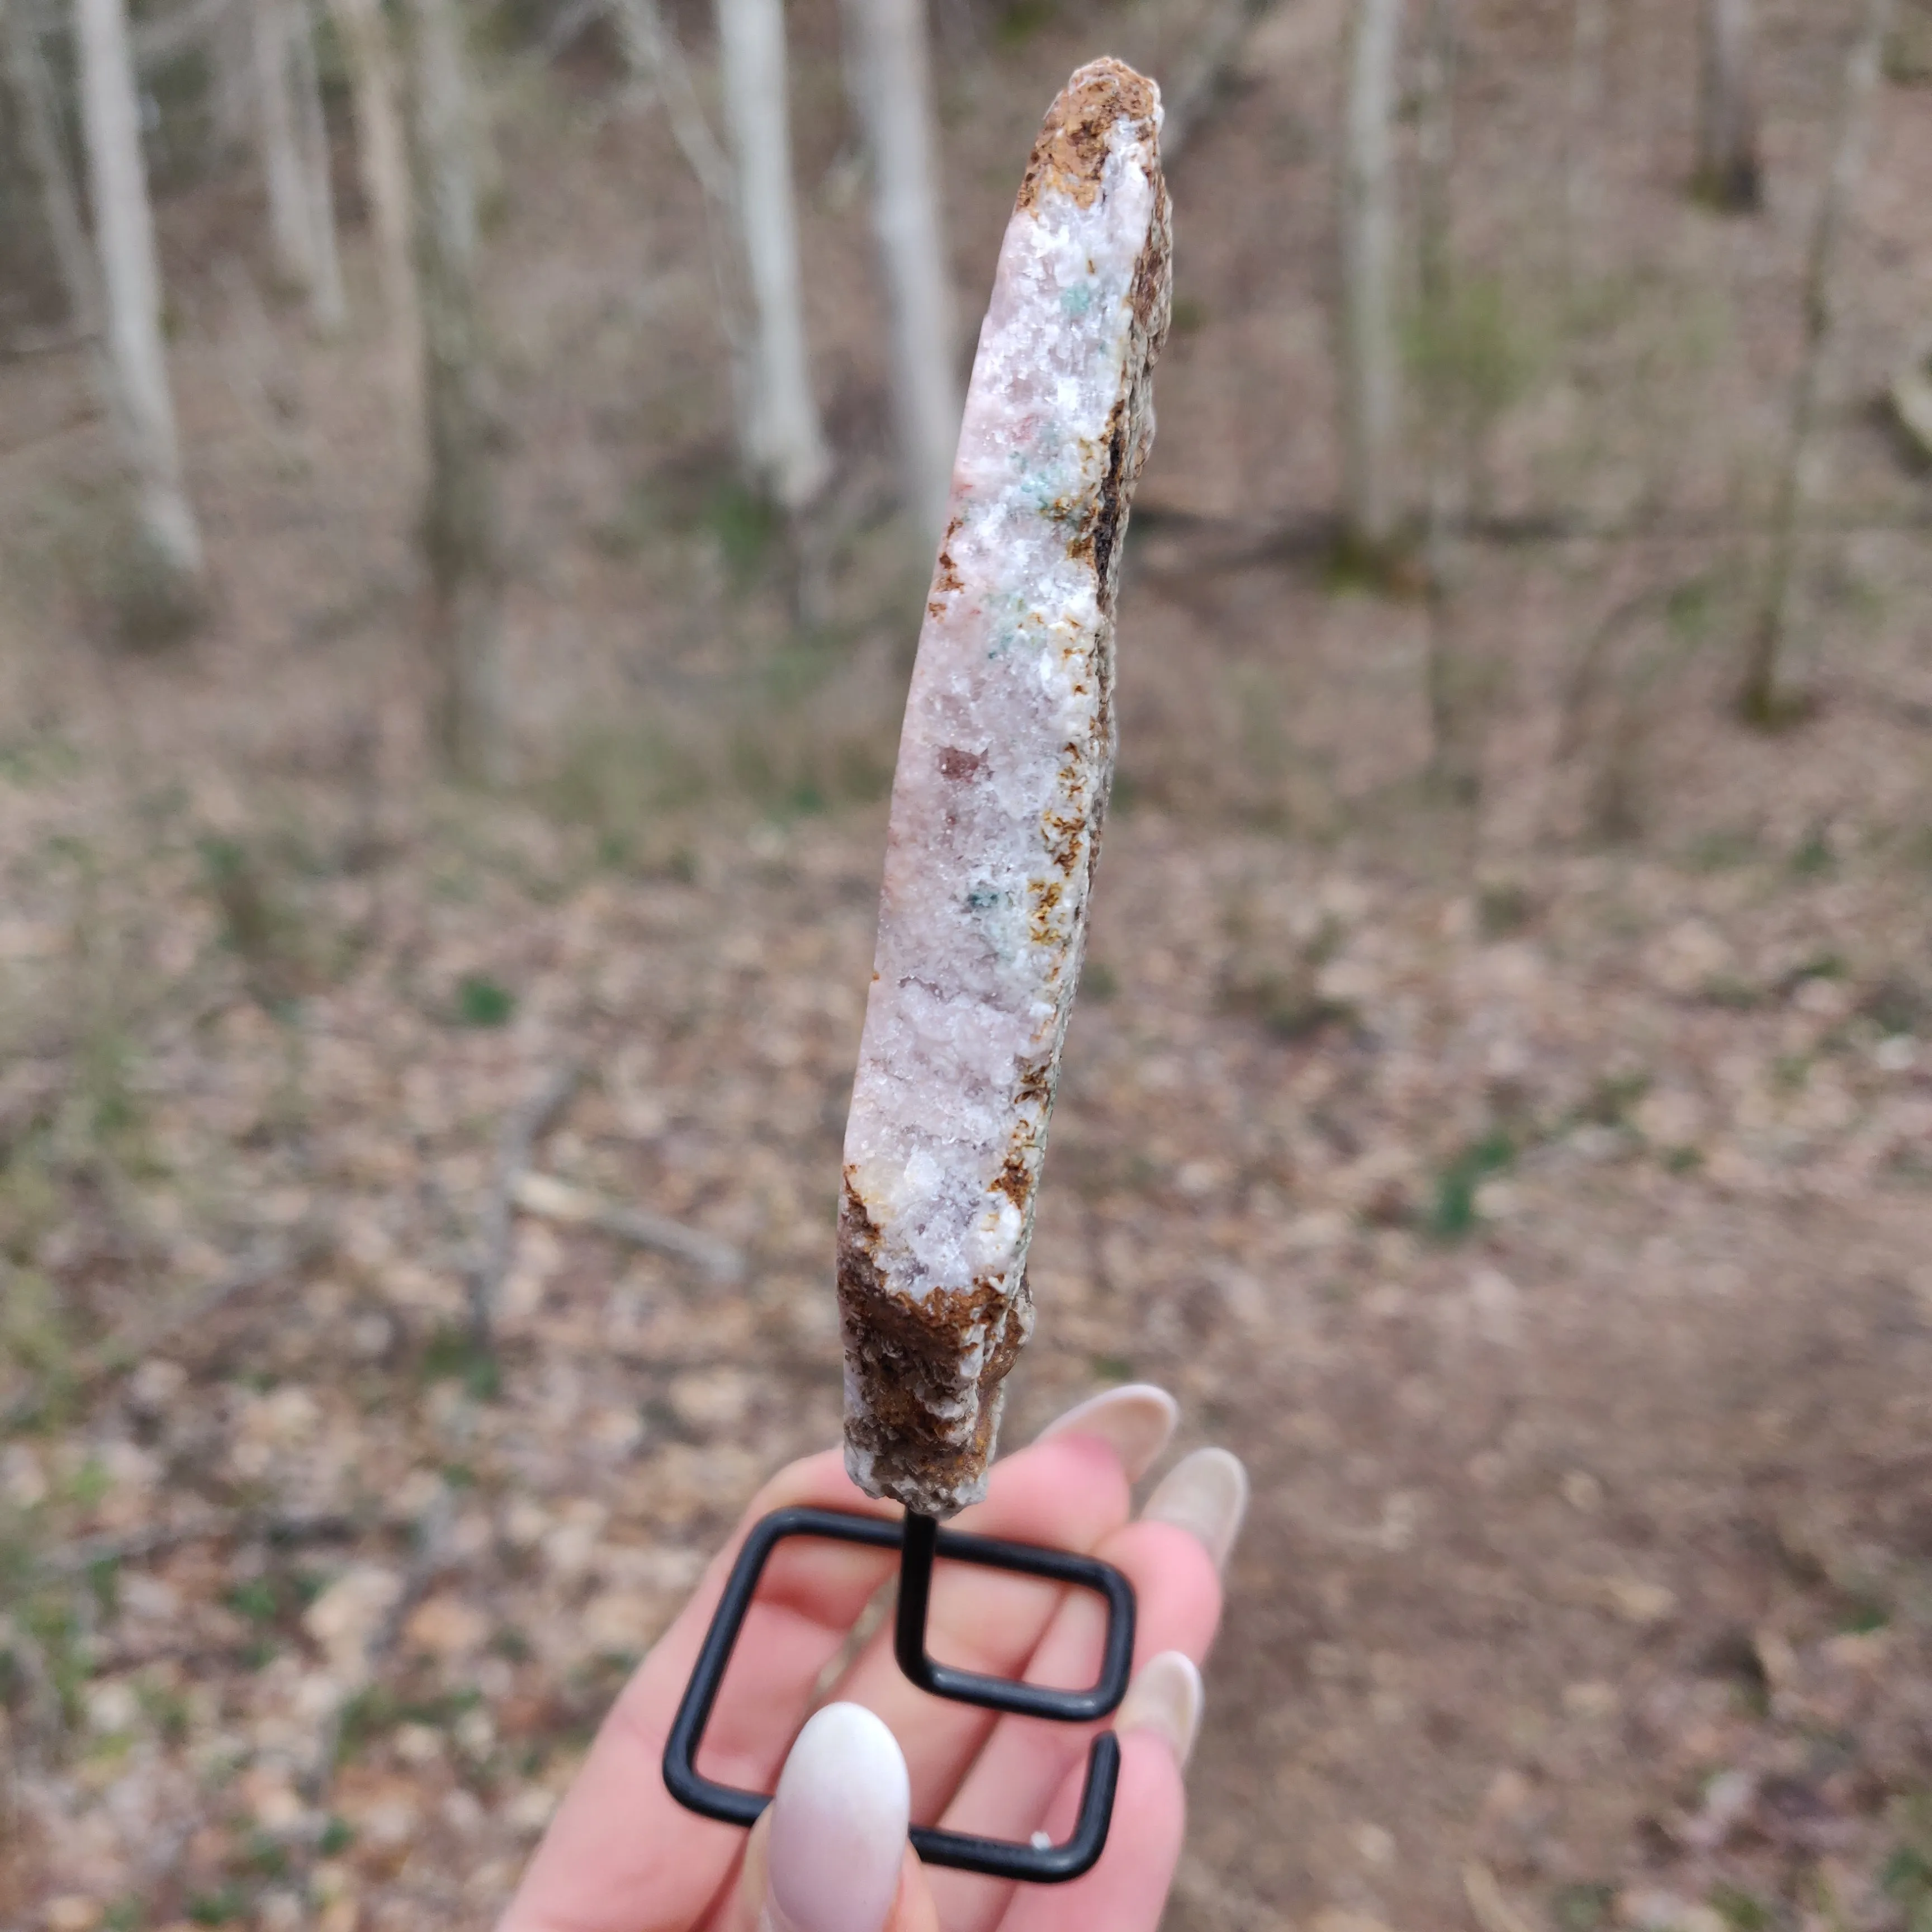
(467, 480)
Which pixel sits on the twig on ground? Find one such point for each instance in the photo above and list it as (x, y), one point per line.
(590, 1338)
(431, 1557)
(129, 1344)
(550, 1199)
(1487, 1906)
(70, 1559)
(515, 1150)
(1586, 675)
(40, 1719)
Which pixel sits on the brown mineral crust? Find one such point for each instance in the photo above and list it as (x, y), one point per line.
(1130, 433)
(945, 578)
(1072, 147)
(906, 1352)
(1130, 425)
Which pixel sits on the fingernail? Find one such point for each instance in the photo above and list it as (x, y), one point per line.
(1166, 1697)
(838, 1826)
(1206, 1493)
(1135, 1422)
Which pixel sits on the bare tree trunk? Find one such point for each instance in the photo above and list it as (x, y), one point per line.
(31, 87)
(291, 235)
(1455, 696)
(1760, 700)
(1200, 73)
(327, 309)
(890, 71)
(655, 60)
(1370, 359)
(459, 521)
(1727, 164)
(383, 156)
(130, 282)
(786, 450)
(1589, 26)
(231, 86)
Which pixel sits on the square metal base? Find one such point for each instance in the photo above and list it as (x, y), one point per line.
(920, 1540)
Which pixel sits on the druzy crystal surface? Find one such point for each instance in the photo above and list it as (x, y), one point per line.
(1002, 782)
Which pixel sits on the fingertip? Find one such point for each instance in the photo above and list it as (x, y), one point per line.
(1137, 1421)
(1206, 1494)
(835, 1858)
(1166, 1698)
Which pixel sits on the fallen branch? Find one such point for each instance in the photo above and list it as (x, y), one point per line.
(1240, 543)
(71, 1559)
(566, 1337)
(431, 1558)
(121, 1350)
(515, 1150)
(41, 1719)
(1910, 396)
(1487, 1906)
(550, 1199)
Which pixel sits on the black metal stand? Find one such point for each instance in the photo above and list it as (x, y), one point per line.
(920, 1540)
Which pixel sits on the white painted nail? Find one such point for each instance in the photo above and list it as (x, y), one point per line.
(1166, 1697)
(1206, 1493)
(838, 1826)
(1136, 1422)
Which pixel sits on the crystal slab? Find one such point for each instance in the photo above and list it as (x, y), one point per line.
(1001, 786)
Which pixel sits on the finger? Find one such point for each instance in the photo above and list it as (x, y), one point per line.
(1126, 1892)
(1069, 1492)
(1138, 1420)
(1173, 1556)
(830, 1854)
(912, 1908)
(1013, 1785)
(622, 1856)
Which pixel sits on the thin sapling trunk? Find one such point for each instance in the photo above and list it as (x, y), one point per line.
(1762, 700)
(460, 523)
(785, 450)
(162, 594)
(1370, 351)
(890, 68)
(328, 307)
(1728, 175)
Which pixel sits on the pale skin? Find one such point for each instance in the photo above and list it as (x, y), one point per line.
(621, 1854)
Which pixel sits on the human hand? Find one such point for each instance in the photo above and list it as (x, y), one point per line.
(830, 1854)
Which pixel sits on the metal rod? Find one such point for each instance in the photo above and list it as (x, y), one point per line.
(920, 1540)
(915, 1599)
(924, 1540)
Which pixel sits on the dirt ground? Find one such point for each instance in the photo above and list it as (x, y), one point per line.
(1539, 1205)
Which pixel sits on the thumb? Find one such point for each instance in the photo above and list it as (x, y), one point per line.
(830, 1854)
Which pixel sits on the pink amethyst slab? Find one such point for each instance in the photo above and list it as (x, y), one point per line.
(1004, 771)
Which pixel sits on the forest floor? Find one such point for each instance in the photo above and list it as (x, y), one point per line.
(1540, 1204)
